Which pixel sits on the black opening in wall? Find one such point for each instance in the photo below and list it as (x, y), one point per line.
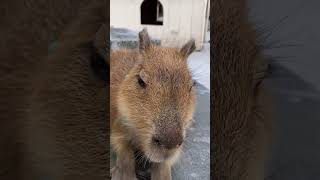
(151, 12)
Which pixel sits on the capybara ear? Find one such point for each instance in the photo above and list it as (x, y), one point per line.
(144, 40)
(99, 59)
(188, 48)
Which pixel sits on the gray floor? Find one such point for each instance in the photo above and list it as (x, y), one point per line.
(296, 150)
(295, 83)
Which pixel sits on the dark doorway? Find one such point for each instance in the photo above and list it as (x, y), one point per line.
(151, 12)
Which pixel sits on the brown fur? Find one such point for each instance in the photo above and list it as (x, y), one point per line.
(53, 114)
(162, 109)
(241, 109)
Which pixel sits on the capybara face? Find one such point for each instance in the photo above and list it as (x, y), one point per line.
(157, 100)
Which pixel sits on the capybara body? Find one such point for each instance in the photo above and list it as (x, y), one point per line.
(152, 104)
(53, 103)
(240, 105)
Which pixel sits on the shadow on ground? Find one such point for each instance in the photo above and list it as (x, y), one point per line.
(295, 154)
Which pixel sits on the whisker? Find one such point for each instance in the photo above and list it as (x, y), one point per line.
(266, 33)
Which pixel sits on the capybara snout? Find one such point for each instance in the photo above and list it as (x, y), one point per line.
(169, 135)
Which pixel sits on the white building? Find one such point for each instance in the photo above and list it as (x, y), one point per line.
(172, 21)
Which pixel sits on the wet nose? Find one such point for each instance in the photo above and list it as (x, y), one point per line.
(168, 141)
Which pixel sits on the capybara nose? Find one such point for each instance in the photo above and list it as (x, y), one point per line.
(167, 141)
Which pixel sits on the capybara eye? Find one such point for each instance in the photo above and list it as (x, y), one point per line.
(141, 82)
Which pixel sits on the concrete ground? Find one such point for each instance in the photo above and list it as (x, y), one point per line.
(199, 64)
(295, 83)
(195, 161)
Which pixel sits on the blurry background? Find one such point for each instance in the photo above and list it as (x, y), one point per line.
(172, 21)
(171, 24)
(293, 30)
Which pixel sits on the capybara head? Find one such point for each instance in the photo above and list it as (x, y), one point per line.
(157, 99)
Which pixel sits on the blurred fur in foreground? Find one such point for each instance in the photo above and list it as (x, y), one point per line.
(54, 104)
(241, 106)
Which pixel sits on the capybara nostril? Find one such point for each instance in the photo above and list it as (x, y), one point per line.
(156, 141)
(167, 141)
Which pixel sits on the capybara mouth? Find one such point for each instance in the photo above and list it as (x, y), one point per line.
(158, 154)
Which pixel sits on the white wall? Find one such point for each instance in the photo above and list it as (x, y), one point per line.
(183, 19)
